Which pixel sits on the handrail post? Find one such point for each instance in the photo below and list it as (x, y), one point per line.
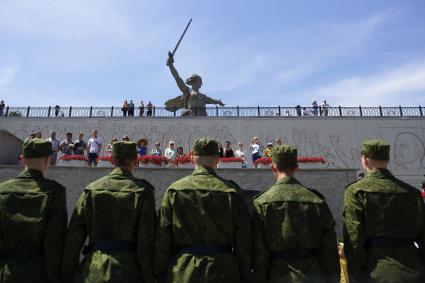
(216, 110)
(237, 110)
(401, 110)
(340, 110)
(258, 110)
(280, 112)
(175, 109)
(70, 111)
(91, 111)
(112, 111)
(154, 111)
(361, 111)
(48, 111)
(380, 110)
(28, 111)
(420, 110)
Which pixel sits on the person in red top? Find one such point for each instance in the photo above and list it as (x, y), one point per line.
(423, 190)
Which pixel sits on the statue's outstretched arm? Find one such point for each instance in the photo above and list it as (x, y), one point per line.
(180, 83)
(209, 100)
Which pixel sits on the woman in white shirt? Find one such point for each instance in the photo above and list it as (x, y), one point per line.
(257, 149)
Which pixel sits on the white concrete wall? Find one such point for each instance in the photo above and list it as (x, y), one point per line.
(335, 138)
(10, 148)
(330, 182)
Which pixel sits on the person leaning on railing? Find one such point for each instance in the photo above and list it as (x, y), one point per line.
(2, 106)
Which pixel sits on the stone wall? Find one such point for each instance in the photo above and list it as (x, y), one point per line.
(330, 182)
(10, 148)
(335, 138)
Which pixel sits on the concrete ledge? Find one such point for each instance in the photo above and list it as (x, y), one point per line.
(329, 182)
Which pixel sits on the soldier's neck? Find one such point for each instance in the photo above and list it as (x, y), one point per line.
(281, 175)
(33, 168)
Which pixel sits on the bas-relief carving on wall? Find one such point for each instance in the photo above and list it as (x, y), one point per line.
(408, 149)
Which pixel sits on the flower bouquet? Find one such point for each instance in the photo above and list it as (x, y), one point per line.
(73, 160)
(104, 161)
(151, 161)
(231, 162)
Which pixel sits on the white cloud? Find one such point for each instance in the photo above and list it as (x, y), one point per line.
(398, 86)
(65, 19)
(7, 75)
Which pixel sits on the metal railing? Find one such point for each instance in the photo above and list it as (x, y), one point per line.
(258, 111)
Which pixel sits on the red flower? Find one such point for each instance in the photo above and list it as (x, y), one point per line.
(104, 158)
(301, 159)
(231, 159)
(182, 160)
(73, 157)
(158, 160)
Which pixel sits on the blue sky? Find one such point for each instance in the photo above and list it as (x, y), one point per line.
(99, 52)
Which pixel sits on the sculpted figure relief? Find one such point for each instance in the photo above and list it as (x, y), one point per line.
(192, 99)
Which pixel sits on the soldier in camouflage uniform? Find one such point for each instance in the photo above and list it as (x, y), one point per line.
(204, 231)
(117, 214)
(33, 220)
(294, 231)
(383, 217)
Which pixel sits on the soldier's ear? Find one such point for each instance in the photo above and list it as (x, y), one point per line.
(47, 161)
(274, 169)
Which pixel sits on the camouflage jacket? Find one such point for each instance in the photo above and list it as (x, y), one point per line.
(117, 207)
(290, 216)
(203, 209)
(33, 217)
(379, 205)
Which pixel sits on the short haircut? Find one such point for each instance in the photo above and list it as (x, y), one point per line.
(284, 167)
(123, 162)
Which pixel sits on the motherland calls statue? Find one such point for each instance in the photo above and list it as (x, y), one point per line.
(192, 100)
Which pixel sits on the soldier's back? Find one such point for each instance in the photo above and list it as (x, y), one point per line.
(291, 223)
(33, 221)
(392, 217)
(118, 214)
(209, 218)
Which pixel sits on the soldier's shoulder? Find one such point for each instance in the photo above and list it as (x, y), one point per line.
(143, 183)
(259, 197)
(317, 193)
(8, 184)
(98, 183)
(54, 185)
(182, 183)
(232, 184)
(205, 182)
(356, 185)
(407, 187)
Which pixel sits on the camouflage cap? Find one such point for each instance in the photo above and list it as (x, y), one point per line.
(205, 147)
(375, 149)
(35, 147)
(124, 150)
(285, 155)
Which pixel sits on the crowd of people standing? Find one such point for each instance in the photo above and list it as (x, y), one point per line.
(94, 145)
(127, 109)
